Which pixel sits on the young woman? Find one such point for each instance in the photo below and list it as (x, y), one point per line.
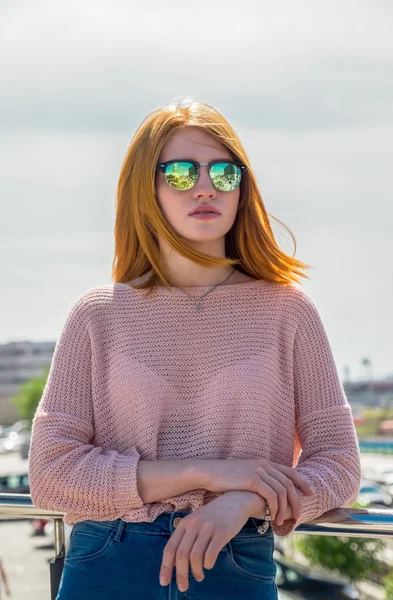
(196, 392)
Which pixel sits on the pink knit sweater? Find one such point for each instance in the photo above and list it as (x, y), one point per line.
(132, 377)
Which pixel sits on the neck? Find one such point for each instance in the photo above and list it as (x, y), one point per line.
(182, 272)
(208, 277)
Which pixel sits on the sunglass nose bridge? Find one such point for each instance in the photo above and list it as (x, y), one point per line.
(204, 176)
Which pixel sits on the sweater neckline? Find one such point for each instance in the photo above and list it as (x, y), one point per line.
(200, 290)
(206, 287)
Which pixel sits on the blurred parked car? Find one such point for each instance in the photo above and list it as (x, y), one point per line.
(379, 473)
(40, 526)
(372, 493)
(12, 437)
(24, 445)
(387, 479)
(22, 425)
(310, 584)
(17, 483)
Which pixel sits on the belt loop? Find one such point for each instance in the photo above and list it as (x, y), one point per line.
(119, 531)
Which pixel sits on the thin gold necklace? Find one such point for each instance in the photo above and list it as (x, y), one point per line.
(198, 305)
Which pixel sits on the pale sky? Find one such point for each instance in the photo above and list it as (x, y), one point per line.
(308, 86)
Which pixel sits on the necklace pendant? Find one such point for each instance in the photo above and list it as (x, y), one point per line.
(198, 307)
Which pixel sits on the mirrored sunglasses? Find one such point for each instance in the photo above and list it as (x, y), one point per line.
(182, 175)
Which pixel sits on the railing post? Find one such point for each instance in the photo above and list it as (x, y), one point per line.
(56, 565)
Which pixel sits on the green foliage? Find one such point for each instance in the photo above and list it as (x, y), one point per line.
(368, 429)
(29, 394)
(388, 586)
(355, 558)
(373, 417)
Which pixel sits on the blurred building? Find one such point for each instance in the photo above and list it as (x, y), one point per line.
(19, 362)
(370, 393)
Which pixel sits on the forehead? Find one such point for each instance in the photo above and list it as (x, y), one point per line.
(192, 142)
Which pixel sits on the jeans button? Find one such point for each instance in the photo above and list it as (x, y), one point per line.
(176, 521)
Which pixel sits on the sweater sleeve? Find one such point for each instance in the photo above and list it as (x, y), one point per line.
(67, 472)
(325, 432)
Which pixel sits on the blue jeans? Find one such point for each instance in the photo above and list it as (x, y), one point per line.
(122, 561)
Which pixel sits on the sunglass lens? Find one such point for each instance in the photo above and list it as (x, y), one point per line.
(181, 175)
(225, 176)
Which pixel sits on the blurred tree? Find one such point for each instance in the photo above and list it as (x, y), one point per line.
(388, 586)
(29, 394)
(355, 558)
(373, 418)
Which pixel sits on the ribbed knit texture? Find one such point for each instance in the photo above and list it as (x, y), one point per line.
(251, 376)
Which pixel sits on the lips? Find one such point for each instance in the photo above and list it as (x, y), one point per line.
(205, 209)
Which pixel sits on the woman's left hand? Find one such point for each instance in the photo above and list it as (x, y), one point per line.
(201, 535)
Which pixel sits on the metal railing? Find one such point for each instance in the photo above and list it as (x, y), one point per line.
(352, 522)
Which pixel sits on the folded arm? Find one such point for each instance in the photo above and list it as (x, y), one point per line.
(67, 472)
(325, 433)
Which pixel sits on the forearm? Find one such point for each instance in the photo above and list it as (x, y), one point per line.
(160, 479)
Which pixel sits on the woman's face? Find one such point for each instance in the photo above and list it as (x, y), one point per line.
(194, 143)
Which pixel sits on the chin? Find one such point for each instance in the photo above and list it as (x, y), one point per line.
(200, 239)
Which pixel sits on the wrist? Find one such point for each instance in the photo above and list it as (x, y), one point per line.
(254, 504)
(257, 506)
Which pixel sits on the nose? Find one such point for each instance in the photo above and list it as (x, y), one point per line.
(204, 187)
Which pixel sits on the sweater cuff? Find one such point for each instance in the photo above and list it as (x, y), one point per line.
(126, 496)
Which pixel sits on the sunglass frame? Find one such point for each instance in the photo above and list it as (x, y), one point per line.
(163, 165)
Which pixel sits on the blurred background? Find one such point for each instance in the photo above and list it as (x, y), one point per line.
(308, 87)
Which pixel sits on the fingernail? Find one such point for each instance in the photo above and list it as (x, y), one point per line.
(182, 587)
(163, 581)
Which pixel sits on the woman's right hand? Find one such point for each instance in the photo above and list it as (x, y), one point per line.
(272, 481)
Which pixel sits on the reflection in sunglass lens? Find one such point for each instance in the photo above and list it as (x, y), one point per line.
(181, 175)
(225, 176)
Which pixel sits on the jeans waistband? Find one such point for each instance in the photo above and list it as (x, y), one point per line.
(166, 523)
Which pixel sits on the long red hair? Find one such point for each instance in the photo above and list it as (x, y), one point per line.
(249, 244)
